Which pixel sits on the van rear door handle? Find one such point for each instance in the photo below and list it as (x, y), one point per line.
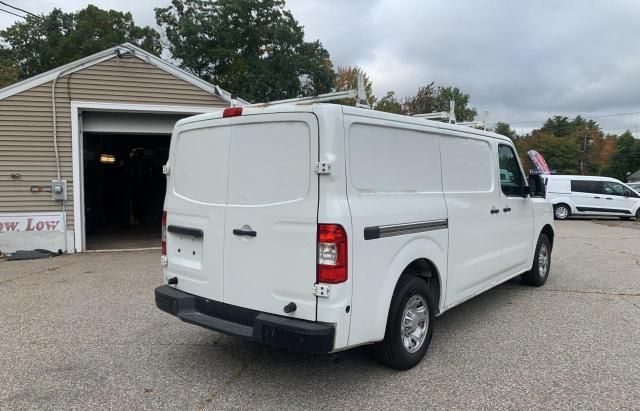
(248, 233)
(609, 198)
(495, 210)
(506, 209)
(596, 197)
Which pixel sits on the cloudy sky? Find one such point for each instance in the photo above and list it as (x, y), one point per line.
(521, 61)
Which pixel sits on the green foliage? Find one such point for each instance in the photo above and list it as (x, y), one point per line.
(560, 153)
(431, 99)
(579, 146)
(318, 69)
(9, 72)
(462, 110)
(389, 104)
(505, 129)
(626, 158)
(559, 126)
(255, 48)
(347, 79)
(41, 43)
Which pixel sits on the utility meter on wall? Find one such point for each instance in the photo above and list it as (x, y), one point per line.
(59, 190)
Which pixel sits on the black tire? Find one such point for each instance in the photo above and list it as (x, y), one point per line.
(561, 211)
(638, 215)
(537, 277)
(391, 351)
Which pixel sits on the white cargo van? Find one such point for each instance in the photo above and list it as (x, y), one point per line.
(591, 195)
(320, 227)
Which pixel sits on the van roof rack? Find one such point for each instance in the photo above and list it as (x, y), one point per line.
(358, 94)
(450, 115)
(481, 124)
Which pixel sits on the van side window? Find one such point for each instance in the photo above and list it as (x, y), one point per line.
(586, 186)
(511, 179)
(614, 189)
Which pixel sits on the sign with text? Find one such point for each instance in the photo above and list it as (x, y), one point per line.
(36, 222)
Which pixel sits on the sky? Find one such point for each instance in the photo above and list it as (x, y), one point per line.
(521, 61)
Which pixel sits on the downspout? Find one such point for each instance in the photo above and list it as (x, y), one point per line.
(55, 149)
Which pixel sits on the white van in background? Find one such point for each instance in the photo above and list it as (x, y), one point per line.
(320, 227)
(591, 195)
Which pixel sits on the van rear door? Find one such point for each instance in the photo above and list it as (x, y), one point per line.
(196, 207)
(272, 213)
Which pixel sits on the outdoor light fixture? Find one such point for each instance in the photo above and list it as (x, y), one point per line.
(107, 159)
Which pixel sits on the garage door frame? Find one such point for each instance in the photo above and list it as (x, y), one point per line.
(77, 107)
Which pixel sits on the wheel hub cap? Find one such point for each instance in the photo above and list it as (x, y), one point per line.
(562, 212)
(415, 323)
(543, 260)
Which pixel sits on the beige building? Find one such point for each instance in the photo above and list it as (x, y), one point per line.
(82, 148)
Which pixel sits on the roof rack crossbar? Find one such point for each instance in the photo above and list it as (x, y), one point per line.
(448, 115)
(358, 94)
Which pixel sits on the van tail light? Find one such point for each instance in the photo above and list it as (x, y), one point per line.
(164, 233)
(332, 254)
(232, 112)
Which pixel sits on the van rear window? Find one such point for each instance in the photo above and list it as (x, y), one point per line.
(201, 164)
(269, 162)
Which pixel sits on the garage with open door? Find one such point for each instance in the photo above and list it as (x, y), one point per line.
(83, 148)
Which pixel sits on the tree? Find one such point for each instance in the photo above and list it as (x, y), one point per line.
(431, 99)
(626, 158)
(9, 71)
(347, 79)
(41, 43)
(424, 101)
(559, 126)
(254, 48)
(463, 113)
(390, 104)
(560, 153)
(505, 129)
(317, 68)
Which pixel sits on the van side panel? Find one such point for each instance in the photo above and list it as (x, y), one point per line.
(393, 179)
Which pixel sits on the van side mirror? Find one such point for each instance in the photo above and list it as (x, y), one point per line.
(537, 187)
(526, 191)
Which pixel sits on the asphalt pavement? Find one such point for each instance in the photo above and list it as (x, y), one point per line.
(82, 331)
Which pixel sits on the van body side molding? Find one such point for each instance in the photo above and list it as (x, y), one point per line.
(603, 210)
(372, 233)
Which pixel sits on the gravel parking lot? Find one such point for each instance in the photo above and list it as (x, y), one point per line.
(82, 331)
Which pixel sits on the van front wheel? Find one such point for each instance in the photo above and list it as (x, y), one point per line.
(409, 325)
(541, 264)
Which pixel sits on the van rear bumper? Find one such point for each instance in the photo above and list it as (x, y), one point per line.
(289, 333)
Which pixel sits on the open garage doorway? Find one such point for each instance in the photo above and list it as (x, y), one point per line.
(124, 189)
(119, 170)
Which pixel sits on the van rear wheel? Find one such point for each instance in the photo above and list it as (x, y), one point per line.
(561, 211)
(541, 264)
(409, 325)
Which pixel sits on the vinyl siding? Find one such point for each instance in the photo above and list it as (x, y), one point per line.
(26, 126)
